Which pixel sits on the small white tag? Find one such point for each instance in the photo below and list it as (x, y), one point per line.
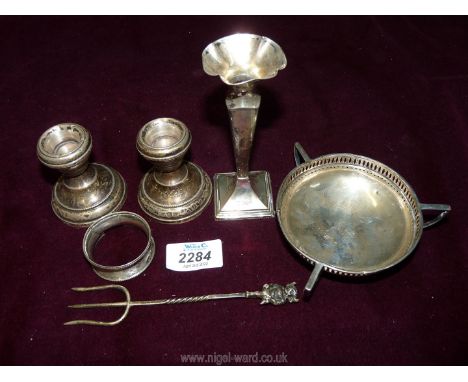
(186, 257)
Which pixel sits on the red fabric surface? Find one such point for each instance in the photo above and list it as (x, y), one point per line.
(391, 88)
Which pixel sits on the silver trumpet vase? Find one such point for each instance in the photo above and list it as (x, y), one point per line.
(240, 60)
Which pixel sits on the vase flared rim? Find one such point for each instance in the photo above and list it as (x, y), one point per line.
(237, 61)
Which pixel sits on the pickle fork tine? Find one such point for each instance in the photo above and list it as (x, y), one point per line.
(126, 304)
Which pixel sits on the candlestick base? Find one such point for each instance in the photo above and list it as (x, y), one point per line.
(243, 198)
(81, 200)
(175, 203)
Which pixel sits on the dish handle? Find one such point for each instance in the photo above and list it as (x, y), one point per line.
(445, 208)
(300, 156)
(313, 278)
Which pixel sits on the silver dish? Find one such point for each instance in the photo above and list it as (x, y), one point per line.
(349, 214)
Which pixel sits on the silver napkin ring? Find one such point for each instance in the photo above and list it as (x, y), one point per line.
(120, 272)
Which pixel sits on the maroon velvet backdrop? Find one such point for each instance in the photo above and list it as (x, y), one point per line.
(391, 88)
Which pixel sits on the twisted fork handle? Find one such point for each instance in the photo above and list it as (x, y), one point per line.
(270, 294)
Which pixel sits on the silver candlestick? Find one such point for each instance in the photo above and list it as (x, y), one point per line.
(240, 60)
(86, 191)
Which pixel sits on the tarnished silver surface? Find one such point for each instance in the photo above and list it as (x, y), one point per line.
(349, 214)
(85, 192)
(242, 57)
(126, 271)
(173, 191)
(240, 60)
(243, 198)
(274, 294)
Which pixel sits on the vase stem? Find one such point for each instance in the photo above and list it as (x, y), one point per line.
(242, 104)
